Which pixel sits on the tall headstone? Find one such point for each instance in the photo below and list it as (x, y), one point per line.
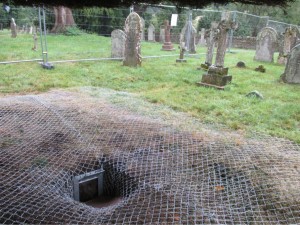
(13, 28)
(151, 33)
(224, 26)
(292, 68)
(202, 41)
(118, 38)
(133, 32)
(167, 46)
(217, 75)
(290, 38)
(188, 36)
(266, 43)
(162, 34)
(211, 36)
(143, 29)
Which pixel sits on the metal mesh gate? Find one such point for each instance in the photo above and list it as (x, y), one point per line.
(164, 167)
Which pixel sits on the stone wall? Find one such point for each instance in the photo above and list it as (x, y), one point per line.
(244, 42)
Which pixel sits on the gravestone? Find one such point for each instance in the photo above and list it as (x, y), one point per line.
(151, 33)
(290, 38)
(1, 26)
(162, 34)
(292, 69)
(188, 36)
(133, 32)
(182, 50)
(217, 75)
(202, 41)
(13, 28)
(167, 46)
(210, 36)
(118, 39)
(143, 29)
(266, 43)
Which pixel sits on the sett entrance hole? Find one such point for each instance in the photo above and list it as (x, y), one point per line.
(103, 187)
(89, 189)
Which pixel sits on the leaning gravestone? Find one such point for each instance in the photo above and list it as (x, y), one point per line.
(117, 43)
(133, 30)
(292, 69)
(290, 38)
(151, 33)
(188, 36)
(266, 43)
(13, 28)
(211, 36)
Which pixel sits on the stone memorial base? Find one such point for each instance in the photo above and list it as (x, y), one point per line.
(180, 60)
(168, 46)
(203, 66)
(216, 77)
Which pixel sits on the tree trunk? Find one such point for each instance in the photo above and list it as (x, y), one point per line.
(63, 19)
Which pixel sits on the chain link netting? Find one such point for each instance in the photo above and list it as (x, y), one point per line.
(160, 167)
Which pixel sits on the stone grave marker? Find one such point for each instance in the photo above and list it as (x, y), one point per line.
(1, 26)
(182, 50)
(151, 33)
(188, 36)
(118, 39)
(266, 43)
(35, 39)
(210, 36)
(217, 75)
(202, 41)
(167, 46)
(13, 28)
(292, 69)
(133, 32)
(290, 38)
(162, 34)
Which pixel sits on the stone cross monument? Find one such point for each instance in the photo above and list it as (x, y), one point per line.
(167, 46)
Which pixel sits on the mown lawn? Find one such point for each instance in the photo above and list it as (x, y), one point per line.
(160, 81)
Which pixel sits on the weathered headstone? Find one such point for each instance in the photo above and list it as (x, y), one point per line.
(202, 41)
(1, 26)
(292, 68)
(210, 36)
(266, 43)
(162, 34)
(217, 75)
(13, 28)
(182, 50)
(151, 33)
(167, 46)
(133, 31)
(188, 36)
(29, 30)
(290, 37)
(118, 38)
(143, 29)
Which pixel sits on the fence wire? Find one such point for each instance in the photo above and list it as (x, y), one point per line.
(90, 38)
(160, 167)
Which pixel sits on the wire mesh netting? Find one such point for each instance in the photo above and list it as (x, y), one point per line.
(160, 166)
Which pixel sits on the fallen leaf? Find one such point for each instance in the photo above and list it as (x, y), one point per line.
(219, 188)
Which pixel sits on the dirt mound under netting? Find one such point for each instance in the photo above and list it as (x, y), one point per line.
(104, 157)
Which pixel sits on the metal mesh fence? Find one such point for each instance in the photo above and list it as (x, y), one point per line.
(90, 38)
(160, 167)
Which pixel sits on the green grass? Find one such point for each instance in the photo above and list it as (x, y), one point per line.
(161, 81)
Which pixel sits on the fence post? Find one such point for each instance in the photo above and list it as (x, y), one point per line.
(131, 9)
(43, 37)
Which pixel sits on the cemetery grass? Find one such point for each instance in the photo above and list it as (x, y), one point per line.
(162, 81)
